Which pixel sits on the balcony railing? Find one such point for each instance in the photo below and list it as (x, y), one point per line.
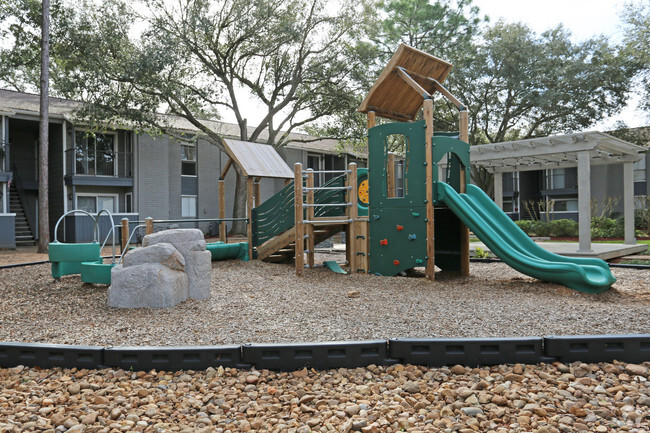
(4, 162)
(99, 163)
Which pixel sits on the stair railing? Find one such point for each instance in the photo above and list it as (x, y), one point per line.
(29, 209)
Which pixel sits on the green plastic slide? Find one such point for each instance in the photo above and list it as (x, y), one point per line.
(504, 238)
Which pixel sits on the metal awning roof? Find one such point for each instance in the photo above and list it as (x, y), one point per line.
(558, 151)
(257, 160)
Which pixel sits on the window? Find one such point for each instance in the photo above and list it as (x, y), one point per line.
(188, 159)
(562, 178)
(95, 203)
(565, 205)
(128, 202)
(640, 170)
(511, 182)
(315, 163)
(188, 206)
(397, 144)
(95, 154)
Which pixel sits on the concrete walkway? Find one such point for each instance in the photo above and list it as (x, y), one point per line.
(570, 249)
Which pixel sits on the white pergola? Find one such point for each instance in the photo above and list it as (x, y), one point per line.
(580, 150)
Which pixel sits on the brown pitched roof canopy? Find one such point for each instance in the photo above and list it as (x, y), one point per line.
(392, 97)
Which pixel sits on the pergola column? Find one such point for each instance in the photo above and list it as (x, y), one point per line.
(584, 202)
(498, 189)
(628, 202)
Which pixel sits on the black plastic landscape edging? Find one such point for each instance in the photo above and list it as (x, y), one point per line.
(434, 352)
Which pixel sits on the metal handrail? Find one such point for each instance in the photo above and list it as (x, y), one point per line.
(309, 171)
(56, 227)
(327, 204)
(110, 231)
(128, 241)
(199, 220)
(322, 188)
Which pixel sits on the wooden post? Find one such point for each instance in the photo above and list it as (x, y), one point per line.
(428, 117)
(125, 234)
(148, 229)
(299, 239)
(311, 244)
(258, 194)
(463, 129)
(222, 210)
(371, 119)
(249, 214)
(352, 213)
(390, 175)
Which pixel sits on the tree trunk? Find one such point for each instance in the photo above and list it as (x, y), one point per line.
(43, 205)
(239, 208)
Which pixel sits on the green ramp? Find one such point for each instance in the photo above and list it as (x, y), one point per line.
(334, 267)
(221, 251)
(504, 238)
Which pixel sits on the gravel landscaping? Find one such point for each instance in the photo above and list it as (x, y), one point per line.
(263, 302)
(607, 397)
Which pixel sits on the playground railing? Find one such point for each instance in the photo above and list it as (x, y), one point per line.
(276, 215)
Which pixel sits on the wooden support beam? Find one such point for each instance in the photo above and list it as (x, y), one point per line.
(300, 234)
(411, 82)
(388, 114)
(148, 228)
(352, 213)
(463, 129)
(310, 216)
(222, 210)
(249, 213)
(439, 87)
(430, 260)
(258, 192)
(390, 175)
(224, 172)
(371, 119)
(125, 234)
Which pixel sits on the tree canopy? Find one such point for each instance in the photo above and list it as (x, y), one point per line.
(637, 40)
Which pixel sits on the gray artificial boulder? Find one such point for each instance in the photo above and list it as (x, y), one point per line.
(163, 253)
(152, 285)
(198, 261)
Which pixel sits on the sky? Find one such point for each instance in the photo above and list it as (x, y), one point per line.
(584, 18)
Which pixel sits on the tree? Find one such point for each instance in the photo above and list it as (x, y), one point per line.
(20, 31)
(194, 59)
(636, 19)
(43, 136)
(443, 28)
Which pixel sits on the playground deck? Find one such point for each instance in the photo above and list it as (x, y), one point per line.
(570, 249)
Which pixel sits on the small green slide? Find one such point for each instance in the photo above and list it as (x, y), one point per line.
(504, 238)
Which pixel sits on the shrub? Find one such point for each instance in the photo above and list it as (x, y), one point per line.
(542, 228)
(525, 225)
(564, 228)
(602, 227)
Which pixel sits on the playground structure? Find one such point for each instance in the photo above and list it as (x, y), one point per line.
(85, 258)
(413, 206)
(418, 216)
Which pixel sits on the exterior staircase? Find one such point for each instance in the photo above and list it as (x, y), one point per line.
(24, 234)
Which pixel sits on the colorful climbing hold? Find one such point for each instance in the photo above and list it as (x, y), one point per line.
(383, 242)
(412, 237)
(399, 228)
(396, 262)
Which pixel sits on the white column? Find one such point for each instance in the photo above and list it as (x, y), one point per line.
(498, 189)
(628, 202)
(584, 201)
